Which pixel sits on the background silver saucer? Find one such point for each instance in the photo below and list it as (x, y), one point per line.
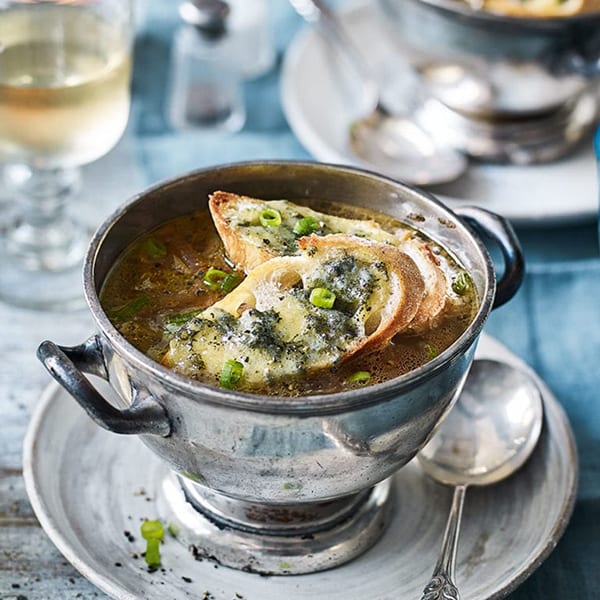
(88, 487)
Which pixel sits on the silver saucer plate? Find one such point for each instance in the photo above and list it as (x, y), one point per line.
(90, 490)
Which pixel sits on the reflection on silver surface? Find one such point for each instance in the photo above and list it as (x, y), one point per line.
(393, 143)
(490, 432)
(517, 141)
(283, 540)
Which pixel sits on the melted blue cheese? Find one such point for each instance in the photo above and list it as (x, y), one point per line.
(278, 332)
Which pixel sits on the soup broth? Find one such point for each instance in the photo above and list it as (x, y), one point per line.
(166, 276)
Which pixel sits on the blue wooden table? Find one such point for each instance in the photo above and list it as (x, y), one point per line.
(553, 323)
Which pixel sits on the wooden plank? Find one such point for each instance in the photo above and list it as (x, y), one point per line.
(31, 568)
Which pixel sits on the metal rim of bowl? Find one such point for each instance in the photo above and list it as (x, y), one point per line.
(313, 404)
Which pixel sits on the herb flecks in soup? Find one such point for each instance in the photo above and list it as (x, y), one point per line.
(317, 302)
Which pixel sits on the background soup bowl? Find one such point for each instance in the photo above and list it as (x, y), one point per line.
(493, 65)
(269, 449)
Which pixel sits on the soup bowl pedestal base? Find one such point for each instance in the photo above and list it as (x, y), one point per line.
(274, 539)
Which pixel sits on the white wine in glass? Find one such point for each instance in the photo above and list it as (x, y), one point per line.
(65, 69)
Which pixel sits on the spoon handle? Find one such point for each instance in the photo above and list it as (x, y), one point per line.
(319, 11)
(441, 585)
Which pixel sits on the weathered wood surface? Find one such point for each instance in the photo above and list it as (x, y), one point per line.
(30, 566)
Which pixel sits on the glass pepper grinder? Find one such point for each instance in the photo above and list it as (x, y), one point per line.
(206, 79)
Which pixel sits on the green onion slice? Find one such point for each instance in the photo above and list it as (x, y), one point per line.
(182, 317)
(153, 532)
(306, 226)
(322, 298)
(155, 248)
(175, 321)
(216, 279)
(231, 281)
(231, 374)
(130, 309)
(462, 283)
(432, 351)
(360, 377)
(269, 217)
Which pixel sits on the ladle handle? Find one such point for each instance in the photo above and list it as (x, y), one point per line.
(67, 365)
(441, 586)
(500, 230)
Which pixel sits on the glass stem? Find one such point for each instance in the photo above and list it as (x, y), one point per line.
(43, 237)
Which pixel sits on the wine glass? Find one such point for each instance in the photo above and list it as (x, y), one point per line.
(65, 69)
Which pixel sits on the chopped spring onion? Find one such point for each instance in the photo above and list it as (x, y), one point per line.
(360, 377)
(231, 281)
(153, 532)
(173, 529)
(306, 226)
(214, 278)
(432, 351)
(231, 374)
(269, 217)
(129, 310)
(177, 320)
(322, 298)
(155, 248)
(462, 283)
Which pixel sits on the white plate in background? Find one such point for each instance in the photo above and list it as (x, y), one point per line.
(319, 96)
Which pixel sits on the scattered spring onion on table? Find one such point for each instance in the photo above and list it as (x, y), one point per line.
(153, 532)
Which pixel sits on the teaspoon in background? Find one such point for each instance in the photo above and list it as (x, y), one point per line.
(489, 434)
(393, 144)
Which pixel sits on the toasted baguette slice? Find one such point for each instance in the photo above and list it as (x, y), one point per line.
(272, 328)
(248, 243)
(436, 295)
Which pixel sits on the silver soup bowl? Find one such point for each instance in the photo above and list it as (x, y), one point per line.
(265, 449)
(497, 66)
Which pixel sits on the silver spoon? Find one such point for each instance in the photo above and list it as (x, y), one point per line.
(491, 431)
(392, 144)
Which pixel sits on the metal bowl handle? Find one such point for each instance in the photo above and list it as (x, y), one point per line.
(67, 365)
(500, 230)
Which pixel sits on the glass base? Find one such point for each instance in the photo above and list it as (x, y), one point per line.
(41, 248)
(40, 289)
